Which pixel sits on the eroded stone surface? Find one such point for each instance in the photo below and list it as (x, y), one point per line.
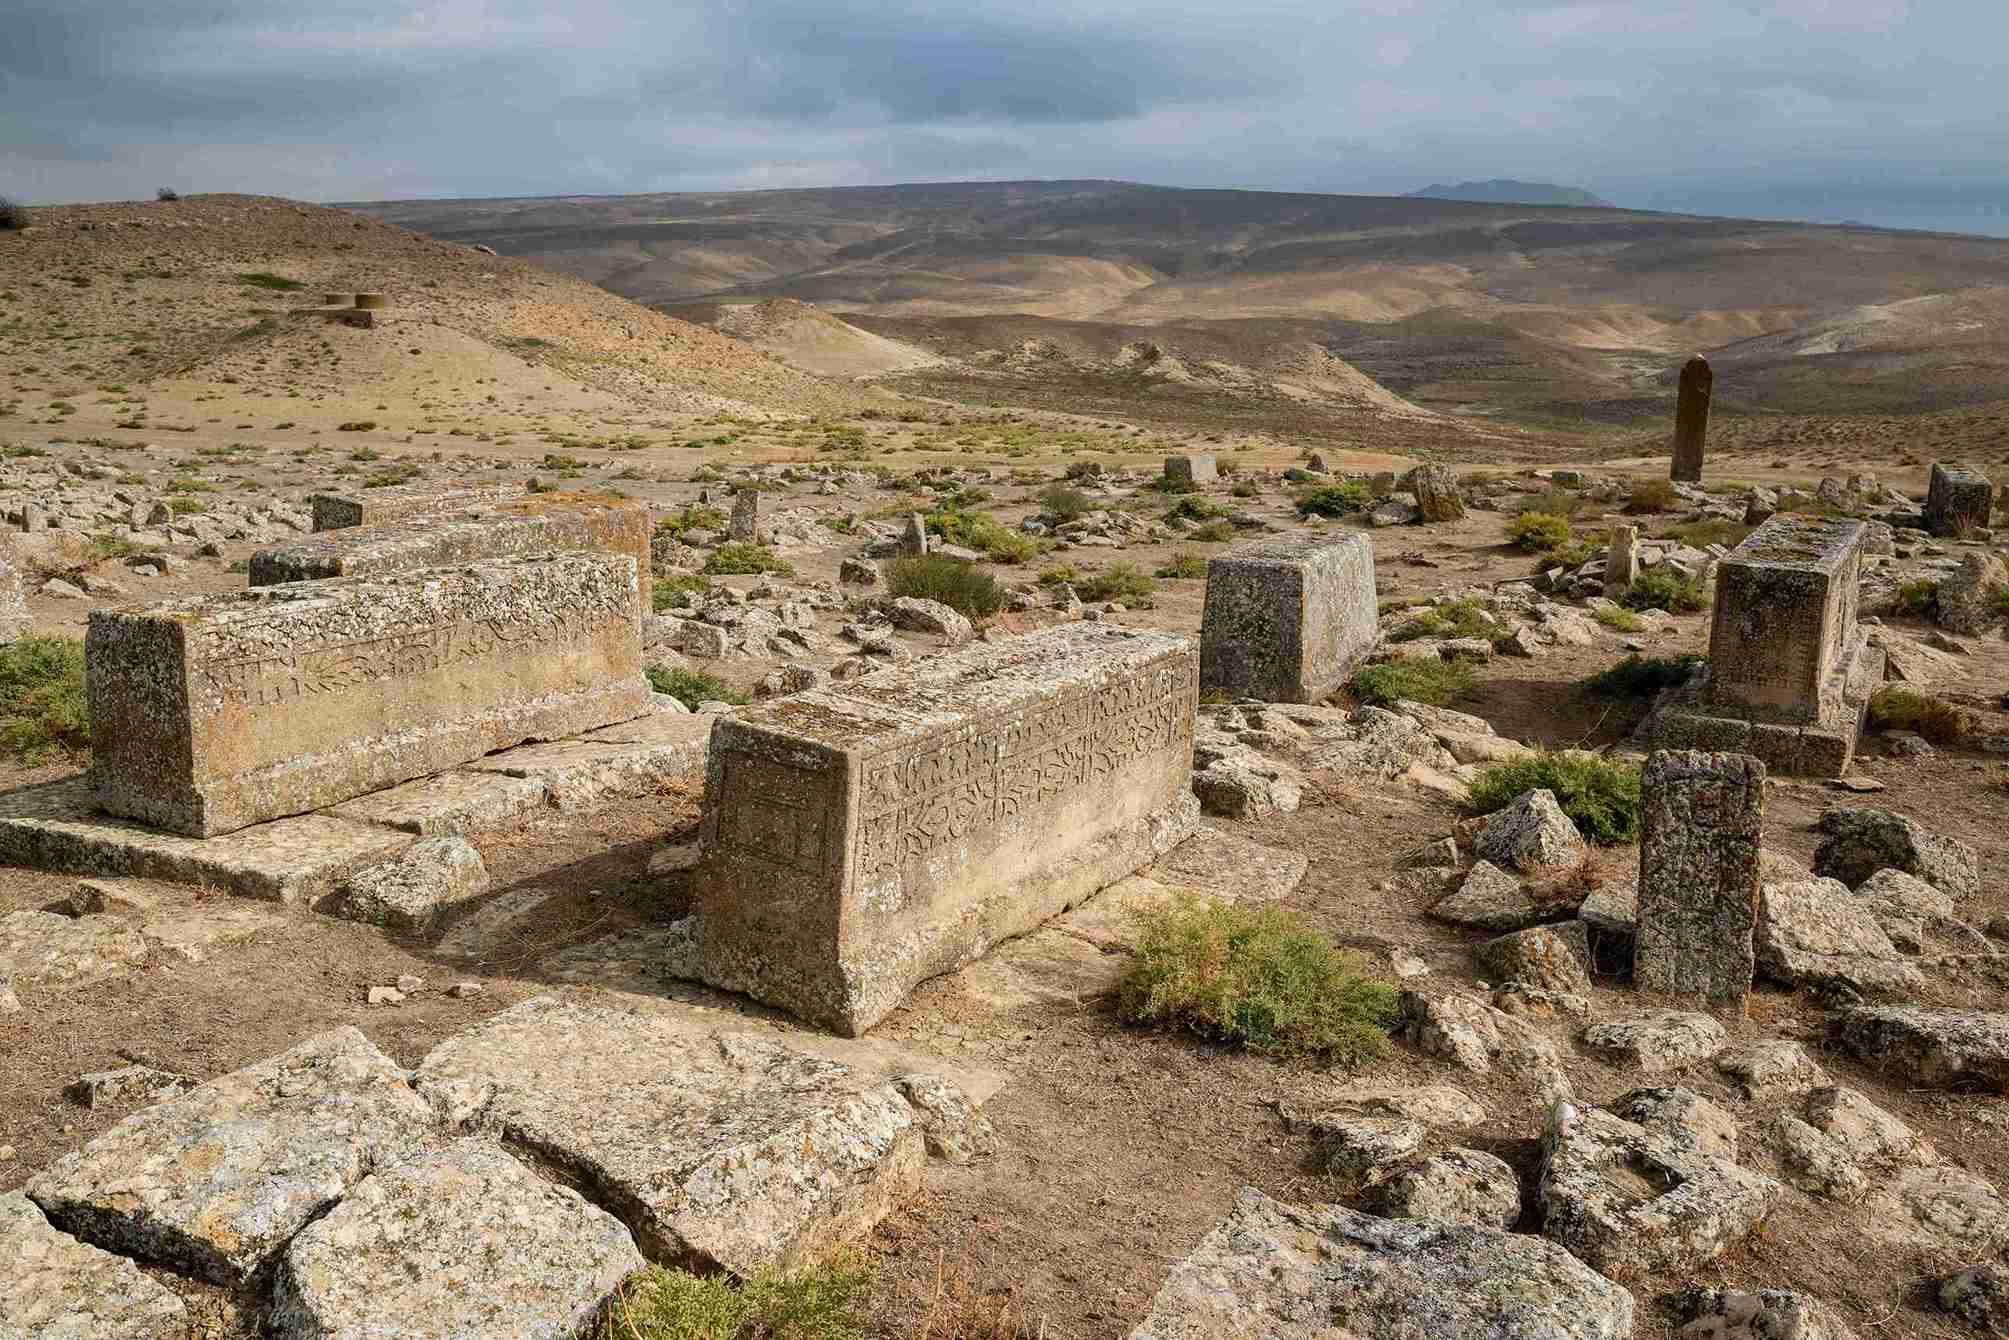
(1771, 1314)
(1773, 1066)
(1979, 1295)
(43, 949)
(1701, 819)
(1459, 1186)
(1531, 835)
(1476, 1037)
(1230, 867)
(1940, 1206)
(1287, 617)
(1365, 1144)
(1657, 1040)
(1814, 932)
(1861, 841)
(412, 892)
(1549, 958)
(54, 1287)
(1921, 1045)
(1489, 898)
(217, 1181)
(1683, 1116)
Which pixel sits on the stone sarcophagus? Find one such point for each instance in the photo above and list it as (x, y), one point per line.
(861, 838)
(213, 712)
(376, 507)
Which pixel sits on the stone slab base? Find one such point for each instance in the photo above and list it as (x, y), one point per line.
(302, 859)
(1685, 719)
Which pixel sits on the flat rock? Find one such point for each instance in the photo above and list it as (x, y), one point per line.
(217, 1181)
(1434, 1104)
(412, 892)
(1657, 1040)
(43, 949)
(1771, 1314)
(485, 931)
(1683, 1116)
(128, 1084)
(1230, 867)
(1530, 835)
(1459, 1186)
(1844, 1144)
(1776, 1065)
(1861, 841)
(1551, 958)
(57, 1288)
(1940, 1206)
(1936, 1048)
(448, 802)
(1625, 1199)
(1283, 1272)
(190, 930)
(1367, 1144)
(1476, 1037)
(723, 1149)
(1815, 933)
(1490, 899)
(457, 1241)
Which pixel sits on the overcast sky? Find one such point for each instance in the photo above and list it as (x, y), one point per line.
(1891, 111)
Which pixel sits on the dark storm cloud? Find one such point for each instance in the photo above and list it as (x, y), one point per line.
(1694, 104)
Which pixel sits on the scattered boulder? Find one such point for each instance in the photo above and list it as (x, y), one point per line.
(916, 615)
(1438, 497)
(1861, 841)
(1247, 787)
(1476, 1037)
(956, 1130)
(1760, 1069)
(128, 1084)
(411, 893)
(1844, 1144)
(1771, 1314)
(1683, 1116)
(1550, 958)
(1367, 1144)
(1657, 1040)
(1490, 899)
(59, 1288)
(1936, 1048)
(1940, 1207)
(1966, 599)
(1434, 1105)
(1459, 1186)
(1815, 933)
(1530, 835)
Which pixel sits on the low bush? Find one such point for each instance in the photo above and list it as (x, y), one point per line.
(1662, 588)
(13, 215)
(691, 687)
(1652, 495)
(695, 516)
(982, 532)
(356, 426)
(1065, 504)
(666, 592)
(1421, 679)
(43, 708)
(825, 1302)
(741, 557)
(1599, 794)
(1894, 708)
(1257, 977)
(1552, 504)
(1918, 597)
(277, 283)
(1641, 676)
(1539, 532)
(1618, 620)
(1194, 508)
(167, 194)
(963, 587)
(1184, 568)
(1334, 500)
(1213, 532)
(1125, 583)
(1468, 617)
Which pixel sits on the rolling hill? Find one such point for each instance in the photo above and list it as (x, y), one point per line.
(1507, 191)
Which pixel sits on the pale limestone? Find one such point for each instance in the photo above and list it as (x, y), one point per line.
(56, 1288)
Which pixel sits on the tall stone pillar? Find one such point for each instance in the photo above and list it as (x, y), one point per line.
(1691, 419)
(1702, 817)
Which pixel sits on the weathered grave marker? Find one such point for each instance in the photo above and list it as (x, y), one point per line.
(1286, 619)
(1958, 496)
(914, 538)
(1691, 419)
(1201, 469)
(1621, 560)
(1702, 817)
(375, 507)
(863, 837)
(746, 524)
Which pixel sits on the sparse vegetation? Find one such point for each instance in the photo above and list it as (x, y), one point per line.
(1123, 583)
(695, 516)
(1895, 708)
(1662, 588)
(1539, 532)
(667, 592)
(1469, 616)
(1065, 504)
(167, 194)
(742, 558)
(1334, 500)
(982, 532)
(43, 708)
(962, 586)
(1257, 977)
(691, 687)
(1641, 676)
(1618, 620)
(277, 283)
(1918, 597)
(13, 215)
(1184, 568)
(1419, 679)
(825, 1302)
(356, 426)
(1599, 794)
(1652, 495)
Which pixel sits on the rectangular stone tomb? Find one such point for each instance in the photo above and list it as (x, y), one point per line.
(1957, 497)
(531, 524)
(1287, 619)
(374, 507)
(1790, 668)
(861, 838)
(213, 712)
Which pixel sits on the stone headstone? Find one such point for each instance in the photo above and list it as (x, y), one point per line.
(1790, 667)
(34, 518)
(1191, 469)
(1287, 618)
(1438, 495)
(862, 837)
(1691, 419)
(746, 525)
(534, 523)
(1701, 820)
(1621, 560)
(1958, 496)
(914, 539)
(14, 621)
(213, 712)
(374, 507)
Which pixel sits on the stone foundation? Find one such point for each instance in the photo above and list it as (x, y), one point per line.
(861, 839)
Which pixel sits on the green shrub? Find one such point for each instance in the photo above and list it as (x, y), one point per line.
(826, 1302)
(1918, 597)
(664, 591)
(742, 557)
(1662, 588)
(1618, 620)
(1470, 616)
(1641, 676)
(1257, 977)
(1195, 508)
(1539, 532)
(983, 533)
(1998, 601)
(963, 587)
(1245, 488)
(1065, 504)
(1213, 532)
(1334, 500)
(695, 516)
(1894, 708)
(1125, 583)
(43, 707)
(1599, 794)
(1184, 568)
(1420, 679)
(1652, 495)
(691, 687)
(1551, 504)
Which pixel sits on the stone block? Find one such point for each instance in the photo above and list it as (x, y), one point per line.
(14, 620)
(1201, 469)
(1956, 497)
(1287, 619)
(539, 523)
(745, 526)
(862, 837)
(213, 712)
(375, 507)
(56, 1288)
(1701, 820)
(1621, 560)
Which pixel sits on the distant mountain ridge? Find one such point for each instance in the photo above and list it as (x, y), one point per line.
(1506, 191)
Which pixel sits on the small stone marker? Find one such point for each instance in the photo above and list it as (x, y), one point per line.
(34, 518)
(1702, 817)
(1191, 469)
(914, 539)
(1691, 419)
(212, 712)
(746, 526)
(374, 507)
(862, 837)
(1286, 619)
(14, 621)
(1959, 496)
(1790, 668)
(1621, 560)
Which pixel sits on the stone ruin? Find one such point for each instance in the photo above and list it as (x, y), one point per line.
(1287, 618)
(1790, 668)
(1199, 469)
(1957, 498)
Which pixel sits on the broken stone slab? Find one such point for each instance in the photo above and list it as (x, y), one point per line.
(189, 929)
(1861, 841)
(1964, 601)
(1053, 966)
(379, 507)
(1657, 1040)
(133, 1083)
(956, 1130)
(1230, 867)
(1939, 1207)
(637, 757)
(1957, 498)
(1770, 1314)
(1815, 933)
(1366, 1144)
(1531, 835)
(427, 880)
(447, 802)
(14, 618)
(217, 1181)
(1459, 1186)
(864, 837)
(1476, 1037)
(481, 933)
(1491, 899)
(1624, 1199)
(1287, 617)
(1916, 916)
(723, 1151)
(1287, 1272)
(1201, 468)
(1433, 1104)
(57, 1288)
(1701, 820)
(213, 712)
(1683, 1116)
(1548, 958)
(43, 949)
(1930, 1047)
(459, 1240)
(1248, 787)
(1776, 1065)
(1844, 1143)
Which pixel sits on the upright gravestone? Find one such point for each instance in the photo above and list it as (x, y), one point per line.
(914, 538)
(746, 524)
(1621, 560)
(13, 598)
(1958, 497)
(34, 517)
(1286, 619)
(1191, 469)
(1702, 818)
(1691, 419)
